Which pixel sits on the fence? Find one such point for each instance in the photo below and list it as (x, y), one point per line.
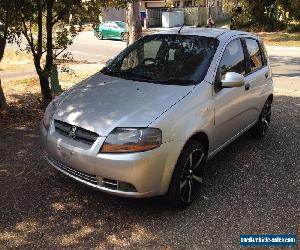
(199, 15)
(192, 15)
(112, 14)
(153, 17)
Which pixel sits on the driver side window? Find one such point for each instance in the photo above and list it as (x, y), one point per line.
(233, 59)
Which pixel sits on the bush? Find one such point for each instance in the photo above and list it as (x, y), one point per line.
(293, 27)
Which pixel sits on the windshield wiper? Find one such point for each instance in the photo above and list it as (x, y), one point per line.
(134, 77)
(109, 72)
(177, 81)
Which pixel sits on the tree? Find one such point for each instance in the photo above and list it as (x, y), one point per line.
(134, 23)
(48, 30)
(6, 33)
(267, 15)
(2, 98)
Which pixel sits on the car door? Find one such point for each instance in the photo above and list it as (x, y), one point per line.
(230, 108)
(105, 29)
(115, 30)
(256, 78)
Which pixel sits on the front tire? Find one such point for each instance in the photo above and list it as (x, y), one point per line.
(187, 176)
(99, 35)
(261, 127)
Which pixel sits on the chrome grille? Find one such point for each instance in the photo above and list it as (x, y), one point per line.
(74, 172)
(80, 134)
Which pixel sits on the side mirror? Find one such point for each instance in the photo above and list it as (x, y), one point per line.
(108, 61)
(232, 80)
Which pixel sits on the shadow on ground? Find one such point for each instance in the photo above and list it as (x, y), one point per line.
(250, 187)
(281, 61)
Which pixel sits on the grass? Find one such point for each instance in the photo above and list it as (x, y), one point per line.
(23, 97)
(16, 60)
(280, 39)
(17, 91)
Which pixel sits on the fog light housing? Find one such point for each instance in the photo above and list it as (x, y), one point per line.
(126, 187)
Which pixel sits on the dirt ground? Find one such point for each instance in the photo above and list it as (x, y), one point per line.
(250, 187)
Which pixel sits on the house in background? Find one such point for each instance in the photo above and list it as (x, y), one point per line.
(196, 12)
(148, 4)
(113, 14)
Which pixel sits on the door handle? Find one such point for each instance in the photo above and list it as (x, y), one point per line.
(247, 86)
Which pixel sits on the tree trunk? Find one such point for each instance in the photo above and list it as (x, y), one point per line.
(2, 98)
(134, 23)
(2, 47)
(45, 87)
(49, 30)
(3, 103)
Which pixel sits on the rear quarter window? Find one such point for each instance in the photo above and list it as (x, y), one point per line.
(255, 54)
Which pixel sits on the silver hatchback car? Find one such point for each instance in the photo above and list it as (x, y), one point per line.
(149, 120)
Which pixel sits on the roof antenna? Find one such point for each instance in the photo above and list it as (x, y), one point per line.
(180, 28)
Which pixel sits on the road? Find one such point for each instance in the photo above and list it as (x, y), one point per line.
(285, 61)
(86, 47)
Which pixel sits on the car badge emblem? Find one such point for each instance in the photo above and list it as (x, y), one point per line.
(72, 132)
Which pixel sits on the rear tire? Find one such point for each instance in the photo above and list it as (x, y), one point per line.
(124, 37)
(260, 128)
(187, 176)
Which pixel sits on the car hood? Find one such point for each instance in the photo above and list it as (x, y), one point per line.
(102, 102)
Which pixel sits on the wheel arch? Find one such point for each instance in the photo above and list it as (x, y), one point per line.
(202, 138)
(199, 136)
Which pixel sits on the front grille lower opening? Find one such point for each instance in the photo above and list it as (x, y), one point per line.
(116, 185)
(93, 179)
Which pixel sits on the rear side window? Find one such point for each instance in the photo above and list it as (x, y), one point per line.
(255, 55)
(233, 59)
(264, 54)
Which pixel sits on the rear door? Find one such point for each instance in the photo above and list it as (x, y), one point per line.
(257, 76)
(115, 30)
(231, 109)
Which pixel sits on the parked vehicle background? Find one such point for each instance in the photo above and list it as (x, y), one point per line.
(111, 30)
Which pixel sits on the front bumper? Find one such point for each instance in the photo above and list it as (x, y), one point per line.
(144, 173)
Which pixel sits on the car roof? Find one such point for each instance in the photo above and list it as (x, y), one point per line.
(207, 32)
(113, 22)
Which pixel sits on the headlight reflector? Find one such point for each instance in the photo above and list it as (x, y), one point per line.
(127, 140)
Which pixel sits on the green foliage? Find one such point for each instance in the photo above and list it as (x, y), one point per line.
(49, 27)
(266, 15)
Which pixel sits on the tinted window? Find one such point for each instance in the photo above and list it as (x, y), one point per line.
(165, 58)
(254, 54)
(121, 25)
(264, 54)
(233, 59)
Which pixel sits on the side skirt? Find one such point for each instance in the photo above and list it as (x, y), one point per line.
(213, 153)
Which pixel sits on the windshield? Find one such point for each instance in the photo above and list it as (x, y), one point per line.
(121, 25)
(165, 58)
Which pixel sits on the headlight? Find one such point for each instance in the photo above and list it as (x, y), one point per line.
(48, 115)
(126, 140)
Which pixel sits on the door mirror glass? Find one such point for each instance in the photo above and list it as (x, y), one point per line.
(232, 80)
